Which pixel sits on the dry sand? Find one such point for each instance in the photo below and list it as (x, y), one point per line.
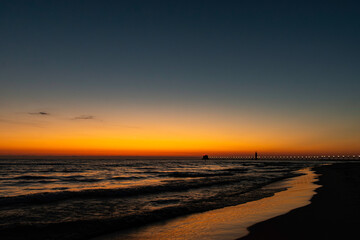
(334, 211)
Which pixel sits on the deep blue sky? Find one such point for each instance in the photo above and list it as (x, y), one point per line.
(263, 58)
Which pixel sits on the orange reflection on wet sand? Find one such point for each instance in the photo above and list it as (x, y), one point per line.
(230, 222)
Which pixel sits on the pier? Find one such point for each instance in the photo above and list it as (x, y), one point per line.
(283, 157)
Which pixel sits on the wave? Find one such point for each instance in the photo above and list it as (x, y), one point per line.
(84, 229)
(236, 169)
(196, 174)
(77, 178)
(167, 186)
(80, 179)
(41, 178)
(31, 177)
(126, 178)
(86, 179)
(165, 201)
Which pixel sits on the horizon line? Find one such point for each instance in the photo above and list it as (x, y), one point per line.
(185, 155)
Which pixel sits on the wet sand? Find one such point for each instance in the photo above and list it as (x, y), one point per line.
(334, 211)
(230, 222)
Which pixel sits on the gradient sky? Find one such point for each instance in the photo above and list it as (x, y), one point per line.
(179, 77)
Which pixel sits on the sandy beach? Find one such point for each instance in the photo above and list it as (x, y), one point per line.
(333, 213)
(230, 222)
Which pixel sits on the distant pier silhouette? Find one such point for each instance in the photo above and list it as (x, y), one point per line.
(205, 157)
(282, 157)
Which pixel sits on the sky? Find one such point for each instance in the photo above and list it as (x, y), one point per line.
(179, 78)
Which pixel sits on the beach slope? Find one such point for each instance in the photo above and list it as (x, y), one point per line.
(334, 211)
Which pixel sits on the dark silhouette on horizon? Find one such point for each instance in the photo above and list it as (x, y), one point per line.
(205, 157)
(284, 157)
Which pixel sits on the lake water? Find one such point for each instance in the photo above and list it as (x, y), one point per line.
(79, 198)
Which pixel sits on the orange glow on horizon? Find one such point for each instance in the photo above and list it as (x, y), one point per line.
(175, 134)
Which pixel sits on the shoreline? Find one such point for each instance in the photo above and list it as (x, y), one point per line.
(333, 213)
(74, 226)
(233, 221)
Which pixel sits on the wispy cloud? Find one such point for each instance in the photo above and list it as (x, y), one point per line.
(39, 113)
(84, 117)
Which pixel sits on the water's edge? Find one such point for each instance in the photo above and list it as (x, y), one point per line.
(231, 222)
(84, 199)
